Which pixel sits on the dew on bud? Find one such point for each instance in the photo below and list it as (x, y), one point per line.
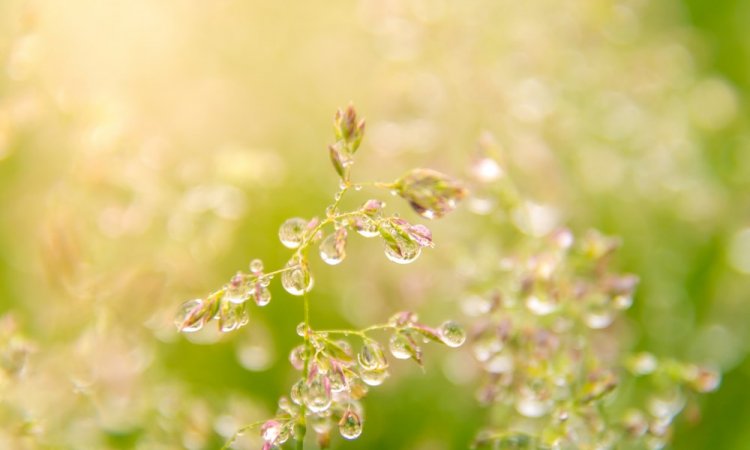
(365, 226)
(374, 377)
(400, 346)
(371, 356)
(402, 251)
(338, 379)
(256, 267)
(236, 291)
(292, 232)
(452, 334)
(403, 319)
(232, 316)
(317, 394)
(191, 316)
(430, 193)
(270, 430)
(333, 247)
(350, 425)
(296, 279)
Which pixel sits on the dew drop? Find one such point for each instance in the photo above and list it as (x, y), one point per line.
(402, 251)
(232, 316)
(261, 295)
(371, 356)
(297, 357)
(399, 346)
(256, 267)
(374, 377)
(350, 425)
(333, 247)
(292, 232)
(270, 430)
(366, 226)
(189, 318)
(297, 279)
(317, 395)
(236, 291)
(297, 391)
(338, 380)
(452, 334)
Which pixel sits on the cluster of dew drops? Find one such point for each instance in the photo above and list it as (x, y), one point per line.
(337, 378)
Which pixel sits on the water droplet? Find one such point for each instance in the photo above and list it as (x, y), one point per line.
(338, 379)
(402, 251)
(292, 232)
(256, 267)
(232, 316)
(374, 377)
(400, 346)
(237, 291)
(333, 247)
(371, 356)
(297, 357)
(350, 425)
(541, 306)
(321, 423)
(190, 318)
(270, 430)
(261, 294)
(301, 329)
(297, 279)
(366, 226)
(317, 395)
(297, 391)
(452, 334)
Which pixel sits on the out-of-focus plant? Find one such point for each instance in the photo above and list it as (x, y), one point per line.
(547, 334)
(333, 376)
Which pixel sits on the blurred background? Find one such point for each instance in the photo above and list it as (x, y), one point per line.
(149, 149)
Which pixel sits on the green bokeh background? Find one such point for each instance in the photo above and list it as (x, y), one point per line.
(137, 103)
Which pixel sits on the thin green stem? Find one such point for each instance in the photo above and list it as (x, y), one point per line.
(362, 333)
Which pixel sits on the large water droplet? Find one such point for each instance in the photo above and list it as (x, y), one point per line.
(400, 346)
(256, 267)
(189, 317)
(374, 377)
(350, 425)
(297, 279)
(261, 294)
(317, 395)
(232, 316)
(292, 232)
(237, 290)
(371, 356)
(338, 379)
(366, 226)
(333, 247)
(296, 393)
(297, 357)
(452, 334)
(402, 251)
